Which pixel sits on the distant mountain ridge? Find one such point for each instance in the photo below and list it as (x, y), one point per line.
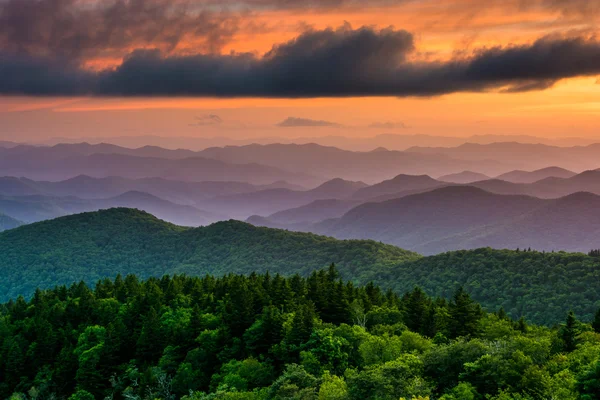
(464, 177)
(465, 217)
(61, 161)
(538, 175)
(35, 208)
(306, 164)
(388, 139)
(267, 202)
(7, 222)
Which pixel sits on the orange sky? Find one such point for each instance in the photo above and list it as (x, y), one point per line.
(443, 30)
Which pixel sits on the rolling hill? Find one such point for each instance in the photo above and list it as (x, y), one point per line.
(100, 244)
(91, 246)
(541, 286)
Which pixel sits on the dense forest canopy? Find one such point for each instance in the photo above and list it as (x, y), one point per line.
(96, 245)
(91, 246)
(267, 337)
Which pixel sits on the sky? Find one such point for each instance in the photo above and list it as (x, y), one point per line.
(257, 68)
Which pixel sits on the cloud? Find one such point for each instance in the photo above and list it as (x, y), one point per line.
(292, 122)
(340, 62)
(79, 28)
(209, 119)
(388, 125)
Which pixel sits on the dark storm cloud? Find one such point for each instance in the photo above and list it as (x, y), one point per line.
(75, 28)
(327, 63)
(293, 122)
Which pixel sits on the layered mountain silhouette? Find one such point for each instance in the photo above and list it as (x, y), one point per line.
(36, 208)
(464, 177)
(299, 164)
(465, 217)
(267, 202)
(400, 183)
(67, 161)
(534, 176)
(301, 218)
(521, 156)
(7, 222)
(332, 162)
(88, 187)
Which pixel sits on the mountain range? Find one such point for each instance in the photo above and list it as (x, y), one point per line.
(34, 208)
(388, 140)
(62, 162)
(307, 164)
(279, 204)
(465, 217)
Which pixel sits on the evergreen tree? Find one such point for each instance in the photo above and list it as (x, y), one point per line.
(464, 315)
(596, 321)
(149, 344)
(569, 332)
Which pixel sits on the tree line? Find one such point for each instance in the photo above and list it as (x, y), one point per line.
(263, 336)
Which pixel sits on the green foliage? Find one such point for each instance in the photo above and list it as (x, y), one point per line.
(91, 246)
(263, 337)
(541, 286)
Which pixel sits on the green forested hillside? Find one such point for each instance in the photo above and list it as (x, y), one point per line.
(542, 286)
(102, 244)
(264, 337)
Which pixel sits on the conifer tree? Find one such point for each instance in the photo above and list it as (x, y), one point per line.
(464, 315)
(569, 332)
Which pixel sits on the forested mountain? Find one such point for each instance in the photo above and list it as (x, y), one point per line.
(538, 175)
(541, 286)
(101, 244)
(7, 222)
(264, 337)
(465, 217)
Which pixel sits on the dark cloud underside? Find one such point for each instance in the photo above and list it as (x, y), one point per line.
(326, 63)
